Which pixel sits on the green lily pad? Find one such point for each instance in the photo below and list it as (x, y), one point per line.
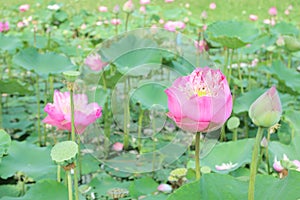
(143, 186)
(43, 64)
(292, 44)
(14, 86)
(286, 76)
(10, 43)
(284, 28)
(46, 189)
(5, 143)
(145, 93)
(64, 153)
(24, 157)
(238, 153)
(243, 102)
(293, 116)
(9, 190)
(232, 34)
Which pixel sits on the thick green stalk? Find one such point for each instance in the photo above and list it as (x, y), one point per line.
(197, 156)
(230, 67)
(254, 163)
(58, 173)
(126, 22)
(267, 152)
(1, 111)
(69, 185)
(140, 123)
(38, 110)
(126, 117)
(235, 135)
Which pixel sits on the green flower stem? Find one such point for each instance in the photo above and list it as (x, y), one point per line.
(126, 22)
(79, 158)
(223, 134)
(254, 163)
(154, 145)
(235, 135)
(267, 152)
(140, 123)
(1, 111)
(197, 156)
(226, 61)
(230, 67)
(38, 99)
(73, 137)
(126, 117)
(289, 60)
(246, 129)
(69, 185)
(58, 173)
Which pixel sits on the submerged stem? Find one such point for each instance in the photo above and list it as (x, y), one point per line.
(197, 156)
(254, 163)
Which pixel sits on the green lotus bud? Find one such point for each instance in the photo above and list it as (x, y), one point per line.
(266, 109)
(128, 6)
(291, 43)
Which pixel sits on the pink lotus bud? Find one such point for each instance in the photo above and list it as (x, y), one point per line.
(266, 110)
(287, 12)
(277, 165)
(94, 62)
(144, 2)
(174, 25)
(83, 26)
(20, 25)
(290, 7)
(118, 146)
(116, 9)
(201, 45)
(267, 21)
(253, 17)
(166, 188)
(115, 22)
(24, 7)
(212, 6)
(204, 15)
(264, 142)
(273, 11)
(161, 21)
(4, 26)
(128, 6)
(169, 1)
(143, 10)
(102, 9)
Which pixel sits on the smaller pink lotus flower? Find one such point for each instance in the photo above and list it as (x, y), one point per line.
(253, 17)
(94, 62)
(116, 9)
(117, 146)
(277, 165)
(143, 10)
(225, 166)
(4, 26)
(287, 12)
(128, 6)
(166, 188)
(102, 9)
(115, 21)
(20, 24)
(59, 112)
(161, 21)
(174, 25)
(169, 1)
(212, 6)
(264, 142)
(273, 11)
(204, 15)
(144, 2)
(24, 7)
(254, 62)
(83, 26)
(201, 45)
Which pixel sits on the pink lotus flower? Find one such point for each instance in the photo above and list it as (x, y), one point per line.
(94, 62)
(271, 22)
(204, 15)
(212, 6)
(273, 11)
(166, 188)
(59, 112)
(115, 21)
(144, 2)
(4, 26)
(102, 9)
(253, 17)
(20, 24)
(174, 25)
(201, 101)
(266, 110)
(24, 7)
(143, 10)
(117, 146)
(201, 45)
(128, 6)
(169, 1)
(277, 165)
(116, 9)
(287, 12)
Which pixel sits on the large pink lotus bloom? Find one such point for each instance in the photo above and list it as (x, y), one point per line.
(253, 17)
(4, 26)
(201, 101)
(174, 25)
(212, 6)
(59, 112)
(24, 7)
(266, 110)
(144, 2)
(102, 9)
(273, 11)
(94, 62)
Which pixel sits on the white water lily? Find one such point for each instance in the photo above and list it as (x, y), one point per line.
(226, 166)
